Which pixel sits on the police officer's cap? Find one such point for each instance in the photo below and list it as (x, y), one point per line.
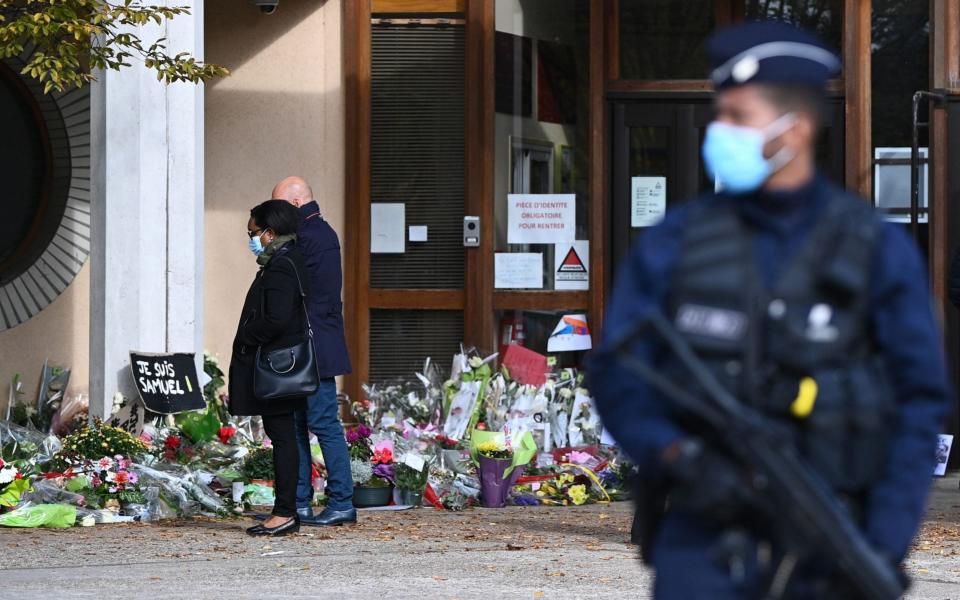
(769, 52)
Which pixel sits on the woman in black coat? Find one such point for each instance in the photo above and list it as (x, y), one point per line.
(272, 317)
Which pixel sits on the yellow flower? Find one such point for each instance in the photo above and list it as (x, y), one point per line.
(490, 446)
(578, 494)
(565, 478)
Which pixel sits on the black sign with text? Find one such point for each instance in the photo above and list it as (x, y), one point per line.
(167, 383)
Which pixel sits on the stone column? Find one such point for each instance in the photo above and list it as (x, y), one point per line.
(146, 215)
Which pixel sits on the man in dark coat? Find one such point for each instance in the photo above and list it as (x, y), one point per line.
(780, 281)
(321, 250)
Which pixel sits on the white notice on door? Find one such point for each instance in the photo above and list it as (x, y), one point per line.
(541, 218)
(518, 270)
(387, 228)
(648, 200)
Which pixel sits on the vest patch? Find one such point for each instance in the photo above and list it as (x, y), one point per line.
(709, 321)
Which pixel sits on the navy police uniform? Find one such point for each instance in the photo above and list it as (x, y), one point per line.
(810, 283)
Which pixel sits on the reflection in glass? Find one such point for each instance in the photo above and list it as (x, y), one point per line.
(664, 39)
(900, 32)
(541, 135)
(649, 157)
(823, 17)
(532, 330)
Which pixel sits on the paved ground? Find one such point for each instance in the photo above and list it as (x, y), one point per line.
(564, 553)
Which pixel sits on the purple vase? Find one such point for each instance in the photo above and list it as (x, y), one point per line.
(493, 487)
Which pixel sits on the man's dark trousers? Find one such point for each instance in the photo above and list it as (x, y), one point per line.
(321, 419)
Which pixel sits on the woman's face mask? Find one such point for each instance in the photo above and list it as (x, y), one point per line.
(256, 246)
(733, 154)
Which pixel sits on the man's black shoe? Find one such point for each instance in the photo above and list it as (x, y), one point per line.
(306, 516)
(335, 517)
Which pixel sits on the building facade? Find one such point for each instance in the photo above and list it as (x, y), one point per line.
(486, 163)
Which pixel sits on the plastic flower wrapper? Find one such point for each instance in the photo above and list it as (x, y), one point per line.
(27, 448)
(432, 380)
(59, 516)
(59, 491)
(530, 407)
(500, 396)
(200, 426)
(523, 445)
(560, 408)
(571, 485)
(258, 495)
(181, 489)
(585, 428)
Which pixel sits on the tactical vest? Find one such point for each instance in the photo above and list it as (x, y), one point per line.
(766, 345)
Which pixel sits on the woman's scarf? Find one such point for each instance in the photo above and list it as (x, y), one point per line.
(278, 242)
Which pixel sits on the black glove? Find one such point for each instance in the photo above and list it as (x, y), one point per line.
(707, 483)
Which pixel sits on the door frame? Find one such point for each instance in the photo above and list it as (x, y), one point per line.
(478, 300)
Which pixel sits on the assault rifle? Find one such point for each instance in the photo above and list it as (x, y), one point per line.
(809, 519)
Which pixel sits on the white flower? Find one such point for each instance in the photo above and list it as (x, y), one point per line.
(566, 393)
(105, 463)
(7, 474)
(475, 362)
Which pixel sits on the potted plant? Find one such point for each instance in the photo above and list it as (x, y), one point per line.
(372, 468)
(410, 482)
(258, 466)
(495, 459)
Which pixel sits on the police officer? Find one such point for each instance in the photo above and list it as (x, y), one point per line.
(781, 282)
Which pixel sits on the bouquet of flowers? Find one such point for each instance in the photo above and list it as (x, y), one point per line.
(95, 441)
(562, 485)
(176, 449)
(445, 442)
(495, 450)
(112, 479)
(371, 463)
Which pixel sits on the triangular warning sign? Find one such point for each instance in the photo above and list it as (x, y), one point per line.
(572, 263)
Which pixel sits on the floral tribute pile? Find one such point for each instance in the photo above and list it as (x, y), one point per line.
(421, 440)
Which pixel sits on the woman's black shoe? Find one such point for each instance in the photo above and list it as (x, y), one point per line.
(286, 528)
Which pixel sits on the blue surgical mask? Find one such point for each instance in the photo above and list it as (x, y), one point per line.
(256, 246)
(733, 154)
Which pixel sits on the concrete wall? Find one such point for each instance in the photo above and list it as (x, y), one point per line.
(279, 113)
(60, 332)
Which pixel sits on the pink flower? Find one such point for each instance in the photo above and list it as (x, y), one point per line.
(133, 477)
(95, 481)
(119, 478)
(146, 438)
(113, 489)
(105, 463)
(578, 458)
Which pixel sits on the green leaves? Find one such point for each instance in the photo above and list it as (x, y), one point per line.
(73, 38)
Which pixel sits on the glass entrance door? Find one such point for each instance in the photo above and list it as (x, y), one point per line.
(656, 160)
(656, 164)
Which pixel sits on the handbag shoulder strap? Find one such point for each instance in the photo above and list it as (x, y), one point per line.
(303, 295)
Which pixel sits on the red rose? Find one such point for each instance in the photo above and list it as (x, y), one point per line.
(226, 433)
(172, 442)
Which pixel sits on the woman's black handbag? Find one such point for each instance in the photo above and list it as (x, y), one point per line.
(288, 372)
